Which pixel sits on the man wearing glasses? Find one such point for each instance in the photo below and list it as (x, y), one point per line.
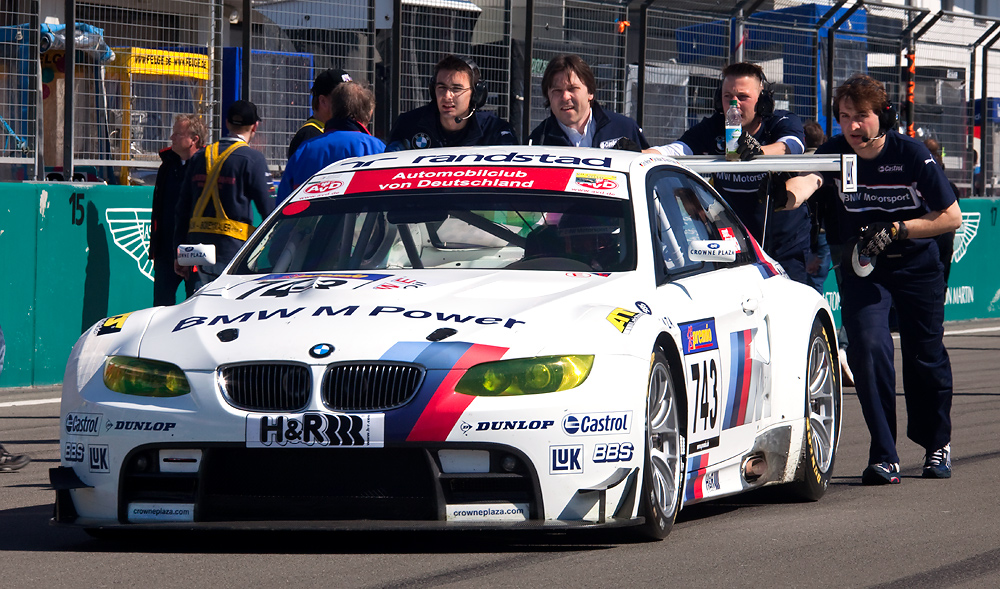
(454, 116)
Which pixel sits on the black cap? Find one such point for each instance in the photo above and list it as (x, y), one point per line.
(242, 113)
(328, 80)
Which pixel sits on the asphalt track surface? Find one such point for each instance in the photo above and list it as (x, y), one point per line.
(921, 533)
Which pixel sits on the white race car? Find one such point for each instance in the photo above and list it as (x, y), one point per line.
(478, 338)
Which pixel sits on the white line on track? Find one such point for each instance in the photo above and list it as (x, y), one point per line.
(32, 402)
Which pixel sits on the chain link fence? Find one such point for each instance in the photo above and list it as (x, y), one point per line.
(18, 88)
(658, 62)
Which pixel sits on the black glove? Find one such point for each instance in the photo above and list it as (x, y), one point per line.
(626, 144)
(748, 147)
(875, 238)
(774, 185)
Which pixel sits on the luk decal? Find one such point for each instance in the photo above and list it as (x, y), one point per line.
(622, 319)
(98, 458)
(483, 426)
(614, 452)
(130, 232)
(581, 424)
(699, 336)
(140, 426)
(113, 324)
(83, 424)
(316, 430)
(74, 452)
(566, 459)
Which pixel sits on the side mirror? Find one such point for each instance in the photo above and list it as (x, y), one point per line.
(195, 255)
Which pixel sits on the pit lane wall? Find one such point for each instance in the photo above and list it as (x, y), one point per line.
(71, 254)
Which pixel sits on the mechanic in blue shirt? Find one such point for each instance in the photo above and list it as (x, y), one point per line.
(577, 120)
(903, 201)
(221, 182)
(346, 135)
(454, 115)
(765, 132)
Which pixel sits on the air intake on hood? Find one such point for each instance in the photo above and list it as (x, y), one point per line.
(370, 386)
(265, 387)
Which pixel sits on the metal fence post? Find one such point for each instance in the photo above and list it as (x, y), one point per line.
(70, 61)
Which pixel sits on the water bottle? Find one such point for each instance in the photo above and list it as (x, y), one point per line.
(734, 128)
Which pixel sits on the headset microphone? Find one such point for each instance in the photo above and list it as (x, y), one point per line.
(865, 139)
(460, 119)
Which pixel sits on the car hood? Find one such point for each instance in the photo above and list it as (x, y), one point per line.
(373, 315)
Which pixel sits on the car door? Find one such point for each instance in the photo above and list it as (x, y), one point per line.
(717, 306)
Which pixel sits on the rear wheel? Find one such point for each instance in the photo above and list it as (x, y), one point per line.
(823, 403)
(663, 468)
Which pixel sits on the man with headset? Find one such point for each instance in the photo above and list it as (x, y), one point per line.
(453, 117)
(887, 227)
(766, 131)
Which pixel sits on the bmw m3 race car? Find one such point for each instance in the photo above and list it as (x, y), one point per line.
(499, 337)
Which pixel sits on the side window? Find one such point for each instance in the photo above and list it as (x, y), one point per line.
(684, 210)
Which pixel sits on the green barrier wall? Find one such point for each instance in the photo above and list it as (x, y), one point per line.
(71, 254)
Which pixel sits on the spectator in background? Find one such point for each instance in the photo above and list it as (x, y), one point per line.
(765, 131)
(222, 181)
(322, 108)
(453, 117)
(576, 119)
(346, 136)
(189, 134)
(8, 461)
(945, 241)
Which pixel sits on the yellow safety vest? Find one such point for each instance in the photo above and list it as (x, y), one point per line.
(220, 224)
(316, 123)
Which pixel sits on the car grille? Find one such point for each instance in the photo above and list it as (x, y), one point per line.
(370, 387)
(266, 387)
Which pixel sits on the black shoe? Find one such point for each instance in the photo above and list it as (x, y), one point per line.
(883, 473)
(9, 462)
(937, 464)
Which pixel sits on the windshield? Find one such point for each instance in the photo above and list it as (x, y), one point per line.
(486, 229)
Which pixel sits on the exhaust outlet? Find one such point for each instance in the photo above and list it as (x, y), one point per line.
(754, 467)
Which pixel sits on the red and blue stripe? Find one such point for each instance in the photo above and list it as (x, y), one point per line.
(741, 369)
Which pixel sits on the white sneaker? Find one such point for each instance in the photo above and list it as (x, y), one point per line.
(846, 376)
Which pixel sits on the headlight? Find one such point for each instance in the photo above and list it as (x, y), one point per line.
(526, 376)
(145, 378)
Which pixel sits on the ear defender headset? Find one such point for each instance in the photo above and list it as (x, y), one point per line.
(765, 102)
(479, 90)
(886, 117)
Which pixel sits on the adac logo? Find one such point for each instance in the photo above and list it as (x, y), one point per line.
(321, 350)
(421, 140)
(699, 336)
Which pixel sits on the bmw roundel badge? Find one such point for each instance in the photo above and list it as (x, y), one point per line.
(421, 140)
(321, 350)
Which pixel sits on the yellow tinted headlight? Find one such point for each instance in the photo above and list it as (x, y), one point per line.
(145, 378)
(525, 376)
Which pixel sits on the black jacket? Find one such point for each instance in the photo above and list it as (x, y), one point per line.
(610, 127)
(244, 179)
(166, 194)
(421, 128)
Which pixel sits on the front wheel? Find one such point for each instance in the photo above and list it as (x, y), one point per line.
(822, 411)
(663, 467)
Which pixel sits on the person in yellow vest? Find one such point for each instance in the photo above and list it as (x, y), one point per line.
(222, 181)
(322, 107)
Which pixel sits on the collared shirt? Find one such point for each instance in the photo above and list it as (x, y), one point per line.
(585, 139)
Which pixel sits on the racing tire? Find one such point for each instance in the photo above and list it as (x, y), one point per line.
(665, 453)
(822, 417)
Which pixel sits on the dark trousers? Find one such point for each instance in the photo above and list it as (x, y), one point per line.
(166, 281)
(913, 282)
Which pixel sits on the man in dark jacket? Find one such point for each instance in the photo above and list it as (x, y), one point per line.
(765, 131)
(577, 120)
(454, 116)
(222, 181)
(322, 107)
(188, 137)
(346, 136)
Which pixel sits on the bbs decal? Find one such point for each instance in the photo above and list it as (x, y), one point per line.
(614, 452)
(74, 452)
(315, 430)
